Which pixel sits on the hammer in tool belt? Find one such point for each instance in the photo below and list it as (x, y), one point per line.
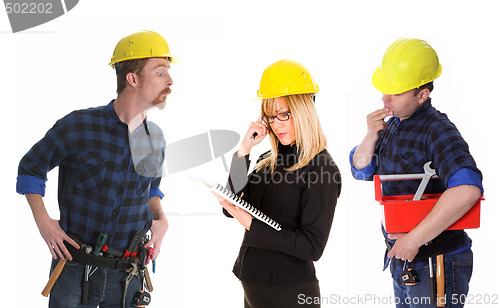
(438, 281)
(53, 277)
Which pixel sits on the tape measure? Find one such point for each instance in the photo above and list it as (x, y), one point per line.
(409, 276)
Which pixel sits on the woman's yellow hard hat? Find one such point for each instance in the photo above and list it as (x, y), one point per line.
(142, 44)
(286, 77)
(407, 64)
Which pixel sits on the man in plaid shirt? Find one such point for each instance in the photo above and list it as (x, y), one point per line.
(110, 161)
(415, 134)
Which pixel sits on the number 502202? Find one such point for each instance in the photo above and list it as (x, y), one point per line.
(476, 299)
(28, 8)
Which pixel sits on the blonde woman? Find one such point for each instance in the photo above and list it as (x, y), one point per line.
(296, 183)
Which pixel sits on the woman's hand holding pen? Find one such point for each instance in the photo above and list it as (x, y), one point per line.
(255, 134)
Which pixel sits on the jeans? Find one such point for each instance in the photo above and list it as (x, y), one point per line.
(457, 269)
(106, 287)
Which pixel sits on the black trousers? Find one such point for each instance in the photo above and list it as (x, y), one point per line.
(278, 296)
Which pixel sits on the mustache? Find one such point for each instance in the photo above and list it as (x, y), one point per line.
(167, 91)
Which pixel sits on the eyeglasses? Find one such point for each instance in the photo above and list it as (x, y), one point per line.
(283, 116)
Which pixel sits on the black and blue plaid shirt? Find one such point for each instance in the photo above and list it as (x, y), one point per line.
(106, 175)
(405, 146)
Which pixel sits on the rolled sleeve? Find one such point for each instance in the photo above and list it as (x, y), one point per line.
(28, 184)
(465, 177)
(156, 192)
(365, 173)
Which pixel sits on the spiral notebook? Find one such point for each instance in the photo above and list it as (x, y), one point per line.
(234, 199)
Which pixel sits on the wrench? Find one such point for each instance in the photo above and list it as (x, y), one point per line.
(429, 173)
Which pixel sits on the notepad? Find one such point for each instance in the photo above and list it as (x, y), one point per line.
(237, 201)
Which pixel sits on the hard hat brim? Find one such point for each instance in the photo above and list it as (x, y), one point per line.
(385, 87)
(173, 60)
(271, 95)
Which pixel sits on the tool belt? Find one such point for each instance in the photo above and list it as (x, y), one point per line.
(81, 256)
(447, 241)
(134, 259)
(110, 258)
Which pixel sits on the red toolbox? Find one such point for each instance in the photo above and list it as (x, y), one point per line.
(401, 214)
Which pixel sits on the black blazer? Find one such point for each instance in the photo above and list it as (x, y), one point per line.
(302, 201)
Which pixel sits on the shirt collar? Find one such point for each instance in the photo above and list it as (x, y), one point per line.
(423, 110)
(287, 155)
(287, 149)
(113, 120)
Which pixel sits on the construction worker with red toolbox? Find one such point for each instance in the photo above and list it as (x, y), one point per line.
(110, 164)
(415, 135)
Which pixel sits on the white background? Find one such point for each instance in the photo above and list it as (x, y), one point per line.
(60, 66)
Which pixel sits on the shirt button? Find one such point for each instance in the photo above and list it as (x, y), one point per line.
(114, 214)
(120, 189)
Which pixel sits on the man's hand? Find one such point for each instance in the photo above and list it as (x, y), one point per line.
(158, 230)
(50, 229)
(405, 247)
(241, 215)
(159, 226)
(375, 122)
(365, 150)
(54, 237)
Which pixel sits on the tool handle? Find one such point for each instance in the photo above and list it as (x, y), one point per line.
(53, 277)
(432, 288)
(149, 285)
(403, 177)
(101, 240)
(85, 292)
(432, 282)
(441, 299)
(150, 254)
(136, 240)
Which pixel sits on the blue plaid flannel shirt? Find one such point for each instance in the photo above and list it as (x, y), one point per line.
(106, 175)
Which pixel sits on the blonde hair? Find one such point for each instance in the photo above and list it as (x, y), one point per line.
(310, 139)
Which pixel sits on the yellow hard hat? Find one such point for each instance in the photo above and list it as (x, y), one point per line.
(407, 64)
(142, 44)
(286, 77)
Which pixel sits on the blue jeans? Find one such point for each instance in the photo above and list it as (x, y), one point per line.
(457, 269)
(106, 287)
